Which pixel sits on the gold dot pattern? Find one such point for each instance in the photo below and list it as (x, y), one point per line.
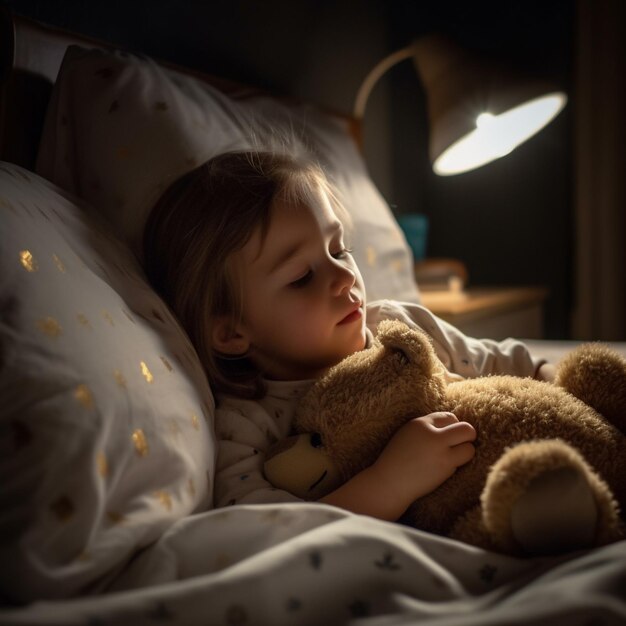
(59, 264)
(371, 256)
(174, 427)
(146, 373)
(4, 203)
(28, 261)
(83, 395)
(63, 508)
(50, 327)
(119, 379)
(103, 465)
(108, 318)
(83, 320)
(397, 265)
(140, 443)
(164, 498)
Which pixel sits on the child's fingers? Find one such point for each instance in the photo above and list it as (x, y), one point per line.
(462, 453)
(441, 419)
(460, 432)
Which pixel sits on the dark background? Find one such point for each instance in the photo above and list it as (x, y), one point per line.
(511, 221)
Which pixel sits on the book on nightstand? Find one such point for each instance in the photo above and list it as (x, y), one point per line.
(441, 280)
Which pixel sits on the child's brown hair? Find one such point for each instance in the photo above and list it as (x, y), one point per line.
(200, 220)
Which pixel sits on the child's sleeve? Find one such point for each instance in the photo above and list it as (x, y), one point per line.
(463, 355)
(245, 430)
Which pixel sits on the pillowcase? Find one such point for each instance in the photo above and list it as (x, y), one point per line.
(106, 418)
(121, 128)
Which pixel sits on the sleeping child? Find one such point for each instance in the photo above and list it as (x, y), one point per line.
(250, 251)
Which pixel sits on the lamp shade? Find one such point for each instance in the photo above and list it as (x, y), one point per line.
(478, 111)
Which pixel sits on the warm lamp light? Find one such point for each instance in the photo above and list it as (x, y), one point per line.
(477, 111)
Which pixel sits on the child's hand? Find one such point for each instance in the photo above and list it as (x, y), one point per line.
(423, 454)
(418, 458)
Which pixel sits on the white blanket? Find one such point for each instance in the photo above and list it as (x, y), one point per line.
(312, 564)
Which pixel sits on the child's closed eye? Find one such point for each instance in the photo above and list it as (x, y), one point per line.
(304, 280)
(307, 277)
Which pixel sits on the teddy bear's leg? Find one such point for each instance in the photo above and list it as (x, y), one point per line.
(541, 497)
(596, 375)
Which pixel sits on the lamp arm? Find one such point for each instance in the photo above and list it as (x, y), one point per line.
(372, 78)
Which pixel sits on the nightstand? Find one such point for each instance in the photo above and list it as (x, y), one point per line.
(491, 312)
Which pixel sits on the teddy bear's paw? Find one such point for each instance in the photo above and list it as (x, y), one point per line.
(596, 374)
(557, 513)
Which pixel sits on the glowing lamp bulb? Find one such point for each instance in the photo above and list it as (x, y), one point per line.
(497, 135)
(484, 120)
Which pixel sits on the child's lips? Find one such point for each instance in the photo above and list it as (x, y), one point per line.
(353, 316)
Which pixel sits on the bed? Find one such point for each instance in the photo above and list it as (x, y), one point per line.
(107, 452)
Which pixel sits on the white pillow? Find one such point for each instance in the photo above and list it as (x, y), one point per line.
(106, 420)
(121, 128)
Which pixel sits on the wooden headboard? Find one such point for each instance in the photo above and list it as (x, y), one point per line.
(31, 54)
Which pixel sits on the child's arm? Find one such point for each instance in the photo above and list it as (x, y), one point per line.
(461, 354)
(420, 456)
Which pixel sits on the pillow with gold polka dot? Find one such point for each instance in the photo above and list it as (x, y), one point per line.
(121, 128)
(106, 417)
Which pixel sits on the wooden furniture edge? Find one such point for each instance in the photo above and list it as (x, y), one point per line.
(478, 302)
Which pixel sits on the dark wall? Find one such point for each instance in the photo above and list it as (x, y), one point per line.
(317, 50)
(510, 221)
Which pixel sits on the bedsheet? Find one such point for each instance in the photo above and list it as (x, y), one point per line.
(314, 564)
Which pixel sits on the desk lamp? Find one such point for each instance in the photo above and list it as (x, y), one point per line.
(477, 111)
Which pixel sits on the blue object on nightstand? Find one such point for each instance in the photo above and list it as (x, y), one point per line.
(415, 228)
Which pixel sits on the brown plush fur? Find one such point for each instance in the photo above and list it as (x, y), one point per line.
(363, 400)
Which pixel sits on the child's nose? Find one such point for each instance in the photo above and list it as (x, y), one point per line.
(343, 279)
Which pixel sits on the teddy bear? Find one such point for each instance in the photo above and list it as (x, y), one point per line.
(549, 471)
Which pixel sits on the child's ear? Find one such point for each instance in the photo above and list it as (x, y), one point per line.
(227, 339)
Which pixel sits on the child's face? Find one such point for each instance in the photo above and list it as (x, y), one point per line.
(303, 295)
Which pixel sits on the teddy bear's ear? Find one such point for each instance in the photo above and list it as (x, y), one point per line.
(412, 345)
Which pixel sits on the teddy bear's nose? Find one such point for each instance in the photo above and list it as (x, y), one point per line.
(316, 440)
